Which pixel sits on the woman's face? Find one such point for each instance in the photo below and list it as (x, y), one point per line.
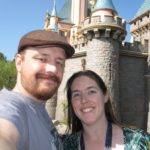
(88, 100)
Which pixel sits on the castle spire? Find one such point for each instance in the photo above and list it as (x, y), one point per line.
(54, 11)
(54, 19)
(105, 4)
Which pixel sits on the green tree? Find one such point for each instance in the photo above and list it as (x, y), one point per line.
(7, 74)
(2, 57)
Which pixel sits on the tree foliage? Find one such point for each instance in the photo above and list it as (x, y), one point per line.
(7, 73)
(2, 57)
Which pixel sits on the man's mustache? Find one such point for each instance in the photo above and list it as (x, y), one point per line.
(48, 77)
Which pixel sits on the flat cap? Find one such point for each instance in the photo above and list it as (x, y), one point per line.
(45, 38)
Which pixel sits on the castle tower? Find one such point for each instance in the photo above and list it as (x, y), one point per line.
(140, 30)
(53, 26)
(104, 32)
(47, 20)
(140, 24)
(78, 11)
(78, 14)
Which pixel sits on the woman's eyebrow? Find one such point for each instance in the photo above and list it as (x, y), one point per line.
(73, 91)
(92, 87)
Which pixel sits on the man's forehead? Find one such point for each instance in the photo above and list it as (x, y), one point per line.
(46, 51)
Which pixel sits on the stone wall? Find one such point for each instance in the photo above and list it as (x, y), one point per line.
(132, 91)
(72, 65)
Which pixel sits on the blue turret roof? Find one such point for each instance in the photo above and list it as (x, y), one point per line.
(144, 8)
(54, 11)
(105, 4)
(65, 12)
(53, 23)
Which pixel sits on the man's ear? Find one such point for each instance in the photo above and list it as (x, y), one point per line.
(18, 61)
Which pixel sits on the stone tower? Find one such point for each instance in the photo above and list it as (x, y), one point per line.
(103, 33)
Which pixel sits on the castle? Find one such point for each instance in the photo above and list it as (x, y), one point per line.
(97, 32)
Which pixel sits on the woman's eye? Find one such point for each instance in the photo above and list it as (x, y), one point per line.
(74, 95)
(92, 92)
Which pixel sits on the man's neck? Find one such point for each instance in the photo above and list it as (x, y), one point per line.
(18, 89)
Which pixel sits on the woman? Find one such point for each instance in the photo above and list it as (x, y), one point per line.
(91, 120)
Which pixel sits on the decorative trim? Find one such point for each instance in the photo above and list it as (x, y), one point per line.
(133, 53)
(79, 54)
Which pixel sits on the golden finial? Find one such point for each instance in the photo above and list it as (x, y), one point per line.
(92, 2)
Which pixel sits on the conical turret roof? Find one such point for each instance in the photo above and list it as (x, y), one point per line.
(105, 4)
(54, 11)
(144, 8)
(65, 12)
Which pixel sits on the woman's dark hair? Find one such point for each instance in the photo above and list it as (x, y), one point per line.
(74, 124)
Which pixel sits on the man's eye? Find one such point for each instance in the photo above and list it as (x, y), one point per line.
(60, 63)
(42, 59)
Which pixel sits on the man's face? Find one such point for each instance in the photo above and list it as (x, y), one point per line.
(40, 71)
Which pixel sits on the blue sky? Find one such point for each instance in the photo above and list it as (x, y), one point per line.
(20, 16)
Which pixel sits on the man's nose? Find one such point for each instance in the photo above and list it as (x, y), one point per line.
(50, 68)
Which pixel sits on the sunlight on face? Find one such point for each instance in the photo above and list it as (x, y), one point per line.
(42, 71)
(87, 100)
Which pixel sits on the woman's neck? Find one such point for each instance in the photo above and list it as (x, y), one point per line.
(95, 132)
(94, 137)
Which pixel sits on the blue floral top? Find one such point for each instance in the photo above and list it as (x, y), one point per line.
(133, 140)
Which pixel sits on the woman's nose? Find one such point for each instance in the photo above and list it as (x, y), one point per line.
(84, 98)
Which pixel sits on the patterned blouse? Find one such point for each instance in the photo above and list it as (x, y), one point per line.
(133, 140)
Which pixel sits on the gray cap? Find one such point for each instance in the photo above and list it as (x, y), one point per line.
(45, 38)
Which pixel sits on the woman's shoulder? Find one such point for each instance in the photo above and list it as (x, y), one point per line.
(71, 141)
(136, 138)
(133, 132)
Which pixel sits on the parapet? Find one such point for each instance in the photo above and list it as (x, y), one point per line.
(103, 22)
(135, 47)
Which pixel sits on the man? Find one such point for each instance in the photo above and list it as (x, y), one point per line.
(24, 122)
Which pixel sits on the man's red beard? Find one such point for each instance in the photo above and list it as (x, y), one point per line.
(34, 87)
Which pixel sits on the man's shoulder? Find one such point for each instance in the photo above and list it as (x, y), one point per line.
(5, 91)
(8, 96)
(10, 103)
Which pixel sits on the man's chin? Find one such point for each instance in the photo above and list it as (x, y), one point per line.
(44, 96)
(46, 93)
